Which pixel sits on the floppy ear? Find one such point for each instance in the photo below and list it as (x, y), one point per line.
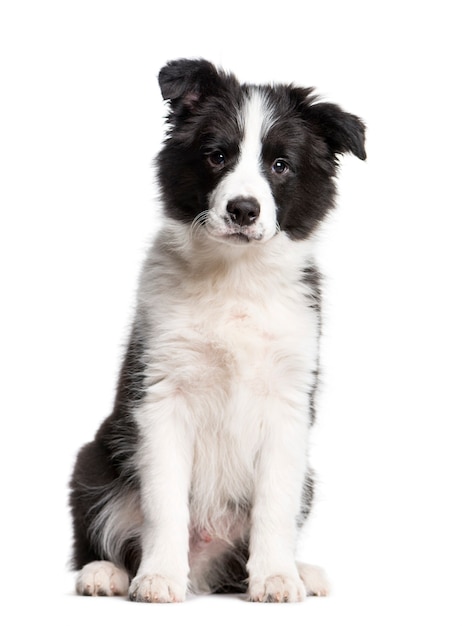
(343, 132)
(185, 82)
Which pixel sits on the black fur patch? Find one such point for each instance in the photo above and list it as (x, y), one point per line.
(105, 464)
(228, 574)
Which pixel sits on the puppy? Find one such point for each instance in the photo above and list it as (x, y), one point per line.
(199, 479)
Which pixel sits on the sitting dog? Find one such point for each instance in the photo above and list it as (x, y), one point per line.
(199, 480)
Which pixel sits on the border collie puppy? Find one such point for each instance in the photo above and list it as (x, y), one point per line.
(200, 480)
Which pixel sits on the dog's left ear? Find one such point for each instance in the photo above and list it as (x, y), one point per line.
(186, 82)
(343, 132)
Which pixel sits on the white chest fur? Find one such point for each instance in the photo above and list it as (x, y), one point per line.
(232, 340)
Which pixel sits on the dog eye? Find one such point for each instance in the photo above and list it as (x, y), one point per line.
(217, 159)
(280, 166)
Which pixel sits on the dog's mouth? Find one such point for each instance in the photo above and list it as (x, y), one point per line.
(238, 238)
(225, 231)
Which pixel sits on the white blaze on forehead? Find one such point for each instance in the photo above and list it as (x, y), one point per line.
(255, 119)
(247, 178)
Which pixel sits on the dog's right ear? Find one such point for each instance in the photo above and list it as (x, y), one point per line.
(343, 132)
(186, 82)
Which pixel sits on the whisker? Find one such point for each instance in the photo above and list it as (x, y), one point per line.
(199, 221)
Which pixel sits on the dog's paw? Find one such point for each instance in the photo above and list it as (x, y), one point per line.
(314, 579)
(102, 578)
(277, 588)
(156, 588)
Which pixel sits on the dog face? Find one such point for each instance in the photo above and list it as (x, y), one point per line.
(251, 161)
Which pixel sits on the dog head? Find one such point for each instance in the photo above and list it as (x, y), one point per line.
(245, 162)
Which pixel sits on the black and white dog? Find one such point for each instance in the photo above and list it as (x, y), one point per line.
(200, 480)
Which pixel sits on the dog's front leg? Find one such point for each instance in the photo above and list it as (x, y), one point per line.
(273, 574)
(165, 472)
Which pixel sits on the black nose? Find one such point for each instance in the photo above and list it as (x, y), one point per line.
(243, 211)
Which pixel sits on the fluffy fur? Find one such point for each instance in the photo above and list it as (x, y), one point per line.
(199, 479)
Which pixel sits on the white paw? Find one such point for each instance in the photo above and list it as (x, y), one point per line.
(314, 579)
(277, 588)
(156, 588)
(102, 578)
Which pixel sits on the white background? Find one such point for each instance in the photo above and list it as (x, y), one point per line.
(81, 119)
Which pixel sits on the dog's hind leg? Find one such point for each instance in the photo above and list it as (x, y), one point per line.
(106, 519)
(102, 578)
(314, 579)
